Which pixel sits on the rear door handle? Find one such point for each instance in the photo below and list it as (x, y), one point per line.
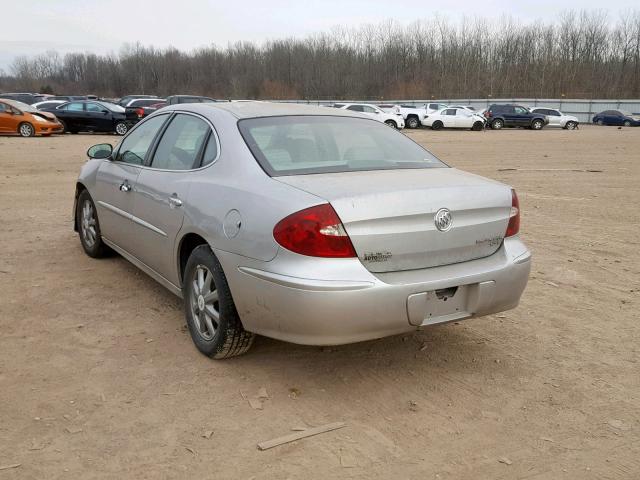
(174, 201)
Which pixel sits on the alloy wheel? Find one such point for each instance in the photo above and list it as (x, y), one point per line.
(204, 303)
(26, 130)
(88, 225)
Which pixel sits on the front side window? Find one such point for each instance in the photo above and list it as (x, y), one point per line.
(73, 107)
(135, 146)
(181, 144)
(368, 109)
(93, 107)
(297, 145)
(355, 108)
(449, 111)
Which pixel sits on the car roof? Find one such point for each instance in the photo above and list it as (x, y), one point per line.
(255, 109)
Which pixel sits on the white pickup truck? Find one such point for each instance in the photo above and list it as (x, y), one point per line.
(413, 115)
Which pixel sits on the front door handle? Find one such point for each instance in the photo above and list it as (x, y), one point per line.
(174, 201)
(125, 187)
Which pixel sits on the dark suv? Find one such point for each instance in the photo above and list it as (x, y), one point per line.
(499, 116)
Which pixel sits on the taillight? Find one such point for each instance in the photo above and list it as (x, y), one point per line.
(316, 232)
(514, 218)
(140, 112)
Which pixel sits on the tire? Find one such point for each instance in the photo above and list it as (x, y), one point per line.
(412, 122)
(392, 124)
(497, 124)
(203, 277)
(89, 227)
(570, 125)
(25, 129)
(627, 123)
(600, 122)
(477, 127)
(65, 129)
(437, 125)
(121, 128)
(537, 124)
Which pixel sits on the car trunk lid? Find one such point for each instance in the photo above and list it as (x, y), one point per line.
(390, 214)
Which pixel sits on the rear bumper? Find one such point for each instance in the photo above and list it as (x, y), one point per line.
(337, 301)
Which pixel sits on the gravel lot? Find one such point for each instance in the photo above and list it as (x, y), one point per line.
(99, 378)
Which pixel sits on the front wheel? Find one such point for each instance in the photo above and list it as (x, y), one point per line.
(600, 122)
(210, 312)
(537, 124)
(121, 128)
(392, 124)
(627, 123)
(89, 227)
(412, 122)
(571, 125)
(26, 130)
(478, 126)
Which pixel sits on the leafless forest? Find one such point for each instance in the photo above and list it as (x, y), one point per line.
(581, 55)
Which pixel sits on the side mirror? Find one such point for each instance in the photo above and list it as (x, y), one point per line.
(102, 150)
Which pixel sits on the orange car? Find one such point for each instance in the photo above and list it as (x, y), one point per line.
(26, 121)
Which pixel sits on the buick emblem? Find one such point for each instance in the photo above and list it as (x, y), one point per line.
(443, 219)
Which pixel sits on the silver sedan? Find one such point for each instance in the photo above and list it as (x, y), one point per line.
(298, 223)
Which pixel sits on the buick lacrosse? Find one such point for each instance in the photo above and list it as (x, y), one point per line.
(304, 224)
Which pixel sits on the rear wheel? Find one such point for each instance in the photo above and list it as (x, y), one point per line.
(571, 125)
(627, 123)
(25, 129)
(497, 124)
(121, 128)
(89, 227)
(391, 123)
(210, 312)
(537, 124)
(413, 122)
(437, 125)
(600, 122)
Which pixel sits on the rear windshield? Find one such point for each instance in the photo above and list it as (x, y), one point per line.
(298, 145)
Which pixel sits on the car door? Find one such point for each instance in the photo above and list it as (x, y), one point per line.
(73, 116)
(554, 116)
(521, 116)
(98, 117)
(116, 182)
(463, 118)
(372, 112)
(8, 119)
(449, 117)
(163, 187)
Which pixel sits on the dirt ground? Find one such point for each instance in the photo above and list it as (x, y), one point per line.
(99, 378)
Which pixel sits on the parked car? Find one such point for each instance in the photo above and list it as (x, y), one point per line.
(26, 121)
(617, 117)
(413, 115)
(557, 118)
(499, 116)
(175, 99)
(93, 116)
(434, 107)
(454, 118)
(27, 98)
(144, 106)
(127, 98)
(310, 225)
(469, 108)
(68, 98)
(394, 120)
(48, 104)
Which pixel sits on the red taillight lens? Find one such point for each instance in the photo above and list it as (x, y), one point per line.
(316, 232)
(514, 219)
(140, 112)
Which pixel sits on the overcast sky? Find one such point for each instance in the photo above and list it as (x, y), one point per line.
(101, 26)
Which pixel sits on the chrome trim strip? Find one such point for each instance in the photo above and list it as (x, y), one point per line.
(133, 218)
(306, 283)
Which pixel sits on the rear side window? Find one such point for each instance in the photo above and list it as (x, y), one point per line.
(181, 145)
(296, 145)
(135, 146)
